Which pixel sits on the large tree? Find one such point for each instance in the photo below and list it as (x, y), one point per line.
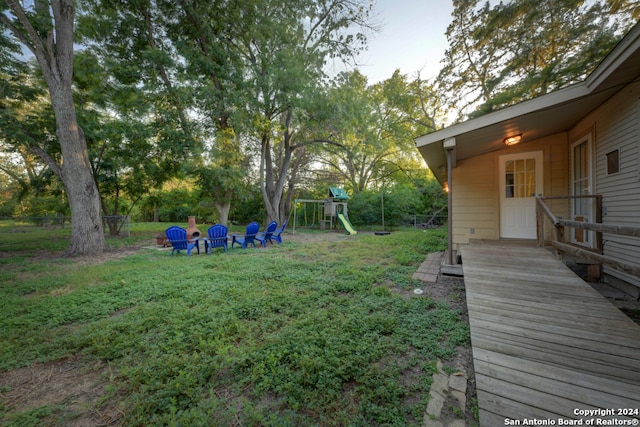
(130, 75)
(515, 50)
(136, 141)
(468, 75)
(285, 45)
(369, 129)
(222, 177)
(251, 67)
(47, 31)
(25, 119)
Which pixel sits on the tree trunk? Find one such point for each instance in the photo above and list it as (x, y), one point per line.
(223, 209)
(287, 201)
(54, 51)
(87, 234)
(272, 184)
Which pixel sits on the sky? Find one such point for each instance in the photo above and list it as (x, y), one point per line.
(412, 39)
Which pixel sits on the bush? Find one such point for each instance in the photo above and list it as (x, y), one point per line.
(172, 206)
(365, 208)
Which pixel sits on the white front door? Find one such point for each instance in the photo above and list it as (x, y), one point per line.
(520, 182)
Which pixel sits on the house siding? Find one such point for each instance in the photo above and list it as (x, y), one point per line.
(557, 182)
(475, 205)
(617, 124)
(476, 193)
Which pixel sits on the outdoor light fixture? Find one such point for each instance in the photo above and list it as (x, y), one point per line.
(513, 140)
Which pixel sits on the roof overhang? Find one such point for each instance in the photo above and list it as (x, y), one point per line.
(537, 118)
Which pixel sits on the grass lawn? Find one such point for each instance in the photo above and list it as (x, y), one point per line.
(321, 330)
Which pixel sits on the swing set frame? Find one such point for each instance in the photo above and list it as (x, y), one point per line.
(318, 210)
(325, 210)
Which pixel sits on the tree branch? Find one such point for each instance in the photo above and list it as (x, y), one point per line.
(50, 161)
(13, 175)
(318, 141)
(16, 32)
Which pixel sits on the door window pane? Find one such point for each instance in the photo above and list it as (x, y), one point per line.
(509, 179)
(520, 178)
(581, 187)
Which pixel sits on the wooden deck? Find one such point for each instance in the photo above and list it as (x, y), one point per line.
(545, 343)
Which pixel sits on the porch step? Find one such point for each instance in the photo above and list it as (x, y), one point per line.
(454, 269)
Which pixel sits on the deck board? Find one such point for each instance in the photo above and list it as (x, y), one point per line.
(545, 343)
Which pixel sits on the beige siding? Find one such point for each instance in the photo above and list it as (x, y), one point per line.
(476, 196)
(617, 125)
(475, 208)
(557, 179)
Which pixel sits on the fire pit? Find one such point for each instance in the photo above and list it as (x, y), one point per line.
(161, 240)
(192, 230)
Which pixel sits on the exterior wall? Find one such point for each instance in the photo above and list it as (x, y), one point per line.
(476, 208)
(476, 193)
(617, 125)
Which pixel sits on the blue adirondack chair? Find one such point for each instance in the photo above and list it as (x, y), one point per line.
(249, 236)
(216, 238)
(277, 234)
(177, 236)
(265, 236)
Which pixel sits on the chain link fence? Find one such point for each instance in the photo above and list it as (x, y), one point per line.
(421, 221)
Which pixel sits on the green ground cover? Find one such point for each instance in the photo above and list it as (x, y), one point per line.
(312, 332)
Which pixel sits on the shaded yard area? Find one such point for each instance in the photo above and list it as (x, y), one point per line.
(322, 330)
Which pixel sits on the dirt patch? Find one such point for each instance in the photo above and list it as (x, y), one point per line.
(317, 237)
(108, 255)
(625, 302)
(450, 289)
(633, 314)
(69, 392)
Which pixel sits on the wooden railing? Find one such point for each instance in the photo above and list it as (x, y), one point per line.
(592, 254)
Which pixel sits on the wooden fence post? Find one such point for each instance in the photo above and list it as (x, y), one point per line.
(539, 222)
(598, 220)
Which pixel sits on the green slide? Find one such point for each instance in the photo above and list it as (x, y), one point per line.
(347, 225)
